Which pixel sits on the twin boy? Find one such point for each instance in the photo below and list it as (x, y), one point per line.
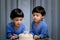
(39, 28)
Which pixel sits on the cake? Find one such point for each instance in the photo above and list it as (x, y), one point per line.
(25, 36)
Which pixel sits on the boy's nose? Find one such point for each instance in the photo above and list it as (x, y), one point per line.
(19, 22)
(34, 16)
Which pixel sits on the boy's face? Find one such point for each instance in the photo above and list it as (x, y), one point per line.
(37, 17)
(17, 21)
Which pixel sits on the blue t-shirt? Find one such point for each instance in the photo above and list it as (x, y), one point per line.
(41, 29)
(10, 30)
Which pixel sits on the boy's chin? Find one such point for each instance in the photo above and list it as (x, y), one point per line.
(17, 25)
(37, 21)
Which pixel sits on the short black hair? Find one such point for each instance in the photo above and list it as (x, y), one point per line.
(16, 13)
(39, 9)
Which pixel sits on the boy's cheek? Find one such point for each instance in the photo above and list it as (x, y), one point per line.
(36, 20)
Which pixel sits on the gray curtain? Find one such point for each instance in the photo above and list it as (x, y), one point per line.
(52, 8)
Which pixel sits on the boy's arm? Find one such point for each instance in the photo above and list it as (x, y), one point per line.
(31, 31)
(24, 29)
(8, 32)
(44, 32)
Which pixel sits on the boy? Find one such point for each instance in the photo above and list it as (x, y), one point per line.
(39, 28)
(16, 27)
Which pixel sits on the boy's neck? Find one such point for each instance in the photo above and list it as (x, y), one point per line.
(16, 27)
(36, 23)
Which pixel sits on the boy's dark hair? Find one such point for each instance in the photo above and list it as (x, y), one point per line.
(39, 9)
(16, 13)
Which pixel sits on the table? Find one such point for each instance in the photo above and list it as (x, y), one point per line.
(45, 39)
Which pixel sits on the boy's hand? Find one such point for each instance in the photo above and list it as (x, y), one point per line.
(36, 37)
(13, 37)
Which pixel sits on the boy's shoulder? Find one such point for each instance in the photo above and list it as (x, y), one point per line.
(32, 21)
(22, 24)
(9, 25)
(44, 24)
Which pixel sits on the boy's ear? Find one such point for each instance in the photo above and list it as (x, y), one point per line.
(43, 16)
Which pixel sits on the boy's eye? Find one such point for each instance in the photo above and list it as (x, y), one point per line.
(20, 19)
(37, 15)
(33, 15)
(16, 20)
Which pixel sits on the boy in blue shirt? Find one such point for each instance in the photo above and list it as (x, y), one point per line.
(39, 28)
(15, 27)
